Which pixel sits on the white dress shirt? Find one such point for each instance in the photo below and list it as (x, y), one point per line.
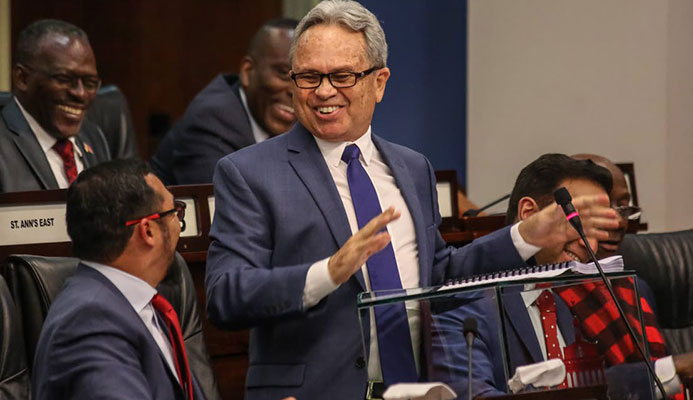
(47, 142)
(664, 367)
(259, 134)
(139, 294)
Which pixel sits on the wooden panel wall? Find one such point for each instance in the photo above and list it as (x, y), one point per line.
(159, 52)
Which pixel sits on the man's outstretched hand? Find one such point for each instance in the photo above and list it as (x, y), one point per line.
(367, 241)
(549, 228)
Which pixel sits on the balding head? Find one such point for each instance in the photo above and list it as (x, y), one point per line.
(620, 196)
(264, 76)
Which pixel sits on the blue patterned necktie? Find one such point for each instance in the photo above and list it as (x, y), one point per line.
(394, 340)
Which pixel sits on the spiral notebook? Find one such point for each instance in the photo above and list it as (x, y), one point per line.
(609, 264)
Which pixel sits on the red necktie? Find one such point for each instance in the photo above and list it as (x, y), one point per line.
(547, 308)
(176, 338)
(64, 148)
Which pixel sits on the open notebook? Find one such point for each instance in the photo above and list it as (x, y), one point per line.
(609, 264)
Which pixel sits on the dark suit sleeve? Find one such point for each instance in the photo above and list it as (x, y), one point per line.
(243, 289)
(450, 355)
(210, 129)
(490, 253)
(94, 357)
(197, 154)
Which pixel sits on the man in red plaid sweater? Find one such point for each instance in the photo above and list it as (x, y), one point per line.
(528, 339)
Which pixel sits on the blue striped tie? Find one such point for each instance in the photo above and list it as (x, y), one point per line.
(394, 340)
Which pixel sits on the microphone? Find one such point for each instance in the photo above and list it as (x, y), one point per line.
(470, 332)
(562, 197)
(475, 211)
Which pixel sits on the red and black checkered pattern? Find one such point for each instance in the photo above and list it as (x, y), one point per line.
(600, 321)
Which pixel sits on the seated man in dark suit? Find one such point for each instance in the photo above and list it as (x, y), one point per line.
(232, 112)
(620, 200)
(44, 140)
(109, 333)
(525, 334)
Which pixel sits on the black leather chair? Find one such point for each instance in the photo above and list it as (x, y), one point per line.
(14, 374)
(5, 98)
(111, 112)
(665, 261)
(35, 281)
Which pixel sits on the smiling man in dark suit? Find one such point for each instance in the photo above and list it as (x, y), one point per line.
(44, 140)
(299, 228)
(233, 111)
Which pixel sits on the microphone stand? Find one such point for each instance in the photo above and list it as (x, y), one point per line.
(622, 314)
(470, 332)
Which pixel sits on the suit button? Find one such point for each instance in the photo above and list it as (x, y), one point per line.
(360, 363)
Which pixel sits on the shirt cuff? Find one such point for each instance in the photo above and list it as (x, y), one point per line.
(666, 372)
(318, 284)
(523, 248)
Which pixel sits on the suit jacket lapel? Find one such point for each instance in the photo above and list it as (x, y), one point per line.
(307, 160)
(405, 183)
(564, 319)
(88, 156)
(135, 317)
(28, 145)
(516, 313)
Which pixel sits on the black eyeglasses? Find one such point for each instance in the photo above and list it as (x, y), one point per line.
(90, 83)
(312, 80)
(178, 208)
(629, 212)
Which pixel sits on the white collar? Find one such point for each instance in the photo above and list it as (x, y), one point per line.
(138, 292)
(44, 138)
(530, 294)
(332, 151)
(259, 133)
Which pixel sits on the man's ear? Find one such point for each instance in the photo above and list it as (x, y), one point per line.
(19, 77)
(147, 232)
(381, 78)
(526, 207)
(246, 69)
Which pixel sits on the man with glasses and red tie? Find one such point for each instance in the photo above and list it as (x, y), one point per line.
(109, 334)
(44, 140)
(334, 210)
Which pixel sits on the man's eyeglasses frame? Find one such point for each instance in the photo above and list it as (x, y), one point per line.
(178, 208)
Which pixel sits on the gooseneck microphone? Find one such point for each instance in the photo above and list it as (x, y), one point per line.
(475, 211)
(470, 332)
(563, 199)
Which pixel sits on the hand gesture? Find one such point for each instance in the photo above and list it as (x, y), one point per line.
(367, 241)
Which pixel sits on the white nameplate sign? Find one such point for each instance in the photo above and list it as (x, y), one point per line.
(190, 217)
(30, 224)
(210, 202)
(444, 199)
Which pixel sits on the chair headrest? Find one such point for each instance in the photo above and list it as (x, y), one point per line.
(665, 261)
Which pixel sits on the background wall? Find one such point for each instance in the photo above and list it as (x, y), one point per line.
(609, 77)
(424, 105)
(4, 45)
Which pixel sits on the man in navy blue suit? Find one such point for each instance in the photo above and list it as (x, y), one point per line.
(104, 335)
(525, 344)
(233, 111)
(290, 250)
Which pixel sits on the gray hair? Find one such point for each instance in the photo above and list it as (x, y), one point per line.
(351, 15)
